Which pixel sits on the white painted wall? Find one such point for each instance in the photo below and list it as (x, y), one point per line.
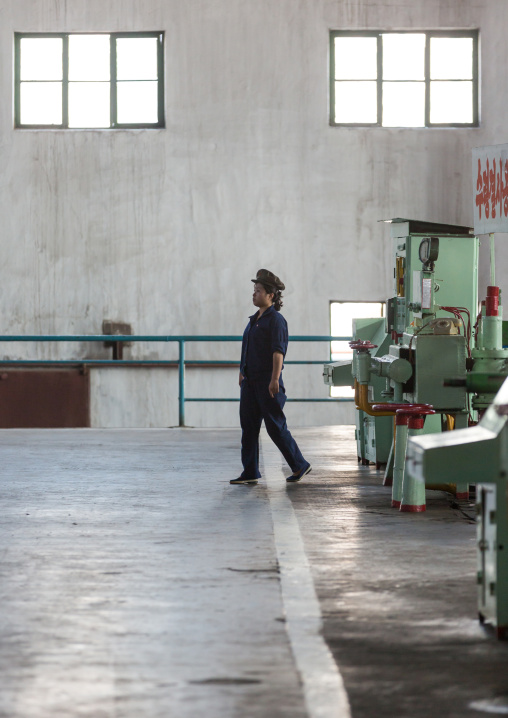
(164, 229)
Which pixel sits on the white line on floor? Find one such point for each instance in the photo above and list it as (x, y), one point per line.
(325, 695)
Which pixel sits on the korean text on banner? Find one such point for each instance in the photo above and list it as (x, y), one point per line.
(490, 189)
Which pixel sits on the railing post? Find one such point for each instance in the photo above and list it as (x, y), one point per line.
(181, 383)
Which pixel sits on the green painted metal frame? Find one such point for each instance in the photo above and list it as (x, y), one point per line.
(114, 36)
(473, 34)
(181, 363)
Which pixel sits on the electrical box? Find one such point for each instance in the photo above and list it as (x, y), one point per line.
(455, 276)
(435, 358)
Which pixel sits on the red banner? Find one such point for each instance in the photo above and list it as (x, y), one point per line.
(490, 186)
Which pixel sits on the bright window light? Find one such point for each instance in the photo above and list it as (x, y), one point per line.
(341, 324)
(137, 102)
(136, 58)
(451, 102)
(391, 79)
(451, 58)
(41, 103)
(89, 58)
(89, 81)
(356, 102)
(403, 104)
(355, 58)
(41, 58)
(89, 104)
(403, 57)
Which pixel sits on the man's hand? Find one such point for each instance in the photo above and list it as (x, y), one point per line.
(274, 387)
(240, 379)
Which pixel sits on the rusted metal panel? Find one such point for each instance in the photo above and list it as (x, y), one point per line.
(44, 398)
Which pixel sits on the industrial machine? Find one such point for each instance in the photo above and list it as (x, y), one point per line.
(426, 338)
(445, 373)
(478, 454)
(374, 434)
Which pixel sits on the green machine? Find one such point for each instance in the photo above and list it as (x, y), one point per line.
(373, 433)
(436, 281)
(477, 454)
(438, 353)
(426, 337)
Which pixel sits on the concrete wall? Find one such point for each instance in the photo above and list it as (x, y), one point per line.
(164, 229)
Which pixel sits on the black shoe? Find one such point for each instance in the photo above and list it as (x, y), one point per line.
(243, 480)
(299, 476)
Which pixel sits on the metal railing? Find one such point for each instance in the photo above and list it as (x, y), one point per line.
(181, 362)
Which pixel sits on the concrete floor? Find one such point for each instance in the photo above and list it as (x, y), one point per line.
(135, 581)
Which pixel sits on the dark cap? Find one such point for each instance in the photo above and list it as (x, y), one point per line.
(263, 276)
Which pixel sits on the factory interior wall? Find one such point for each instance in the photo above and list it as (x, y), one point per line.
(163, 229)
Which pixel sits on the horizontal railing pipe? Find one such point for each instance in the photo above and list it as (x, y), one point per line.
(181, 363)
(333, 399)
(168, 363)
(151, 338)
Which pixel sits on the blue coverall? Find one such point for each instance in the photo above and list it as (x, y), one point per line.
(262, 337)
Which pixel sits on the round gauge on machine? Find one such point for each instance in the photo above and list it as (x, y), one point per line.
(429, 250)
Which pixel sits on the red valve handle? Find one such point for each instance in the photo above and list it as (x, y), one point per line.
(395, 407)
(416, 410)
(413, 415)
(407, 414)
(362, 345)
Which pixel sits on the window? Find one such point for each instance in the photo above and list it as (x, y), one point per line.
(404, 79)
(89, 81)
(341, 325)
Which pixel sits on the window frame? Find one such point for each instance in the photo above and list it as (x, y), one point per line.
(114, 124)
(473, 34)
(383, 304)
